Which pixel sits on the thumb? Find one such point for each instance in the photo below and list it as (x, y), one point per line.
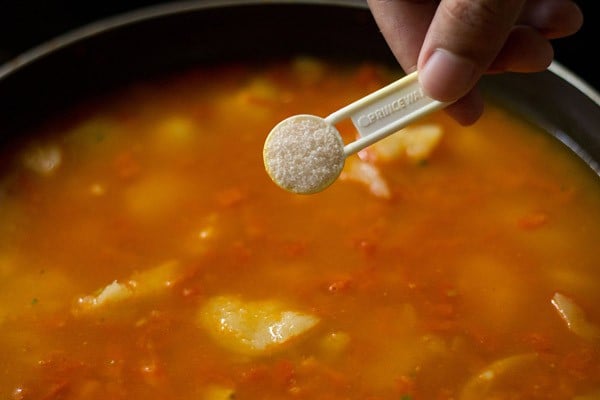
(462, 41)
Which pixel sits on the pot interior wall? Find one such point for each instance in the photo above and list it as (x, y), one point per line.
(148, 48)
(551, 102)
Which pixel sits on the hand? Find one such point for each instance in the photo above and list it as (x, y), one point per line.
(454, 42)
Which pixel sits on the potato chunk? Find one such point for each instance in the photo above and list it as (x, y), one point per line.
(156, 196)
(413, 143)
(174, 133)
(43, 159)
(219, 393)
(142, 284)
(252, 327)
(111, 293)
(368, 175)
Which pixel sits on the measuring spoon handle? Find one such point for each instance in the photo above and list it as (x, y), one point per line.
(386, 111)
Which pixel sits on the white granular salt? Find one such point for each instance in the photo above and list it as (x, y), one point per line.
(304, 154)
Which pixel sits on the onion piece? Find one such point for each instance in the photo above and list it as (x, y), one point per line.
(482, 385)
(141, 285)
(575, 318)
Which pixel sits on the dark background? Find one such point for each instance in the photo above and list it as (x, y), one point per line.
(26, 23)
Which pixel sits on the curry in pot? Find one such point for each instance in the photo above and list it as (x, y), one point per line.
(145, 253)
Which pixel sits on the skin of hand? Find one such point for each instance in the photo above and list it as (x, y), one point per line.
(454, 42)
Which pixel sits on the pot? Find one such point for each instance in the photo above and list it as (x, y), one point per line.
(166, 38)
(149, 44)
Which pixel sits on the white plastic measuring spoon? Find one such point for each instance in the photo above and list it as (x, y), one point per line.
(305, 153)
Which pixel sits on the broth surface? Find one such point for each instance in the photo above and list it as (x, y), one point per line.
(146, 254)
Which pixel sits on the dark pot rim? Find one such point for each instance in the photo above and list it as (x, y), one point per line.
(146, 13)
(557, 99)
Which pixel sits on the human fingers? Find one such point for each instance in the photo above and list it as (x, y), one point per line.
(552, 18)
(403, 24)
(463, 40)
(467, 109)
(525, 50)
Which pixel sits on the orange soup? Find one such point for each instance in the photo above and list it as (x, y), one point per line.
(145, 253)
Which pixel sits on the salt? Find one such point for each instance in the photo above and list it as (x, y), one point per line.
(304, 154)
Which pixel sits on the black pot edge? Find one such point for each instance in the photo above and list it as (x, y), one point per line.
(586, 146)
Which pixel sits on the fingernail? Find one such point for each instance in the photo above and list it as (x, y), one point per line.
(446, 76)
